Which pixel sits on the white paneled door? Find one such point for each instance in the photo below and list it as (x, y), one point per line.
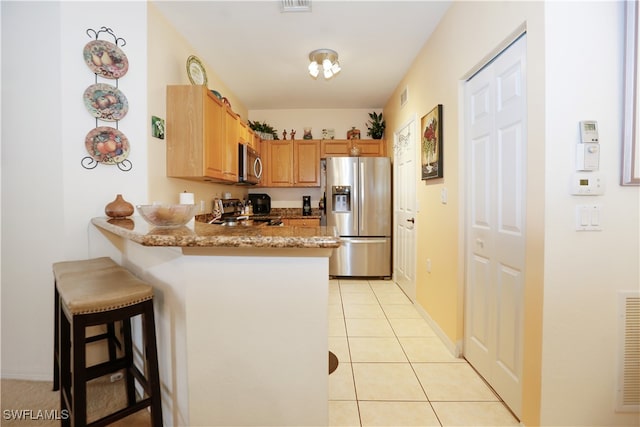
(495, 143)
(404, 168)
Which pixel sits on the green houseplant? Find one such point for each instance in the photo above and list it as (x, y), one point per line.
(375, 126)
(263, 129)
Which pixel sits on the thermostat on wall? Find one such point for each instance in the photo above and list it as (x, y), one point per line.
(587, 184)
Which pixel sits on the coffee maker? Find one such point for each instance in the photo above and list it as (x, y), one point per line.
(306, 205)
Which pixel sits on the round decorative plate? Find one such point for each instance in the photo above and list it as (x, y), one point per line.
(105, 59)
(195, 71)
(106, 102)
(107, 145)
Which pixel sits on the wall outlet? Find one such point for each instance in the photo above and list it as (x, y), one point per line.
(428, 265)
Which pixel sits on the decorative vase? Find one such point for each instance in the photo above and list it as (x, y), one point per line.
(307, 134)
(119, 208)
(353, 133)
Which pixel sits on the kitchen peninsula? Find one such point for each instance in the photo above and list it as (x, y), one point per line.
(241, 315)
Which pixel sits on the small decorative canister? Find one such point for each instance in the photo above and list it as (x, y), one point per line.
(119, 208)
(307, 134)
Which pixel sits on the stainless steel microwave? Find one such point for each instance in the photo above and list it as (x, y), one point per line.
(249, 165)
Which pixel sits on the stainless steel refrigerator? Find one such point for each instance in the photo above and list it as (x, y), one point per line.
(358, 204)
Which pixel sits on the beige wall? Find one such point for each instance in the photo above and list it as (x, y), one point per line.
(572, 281)
(167, 56)
(469, 34)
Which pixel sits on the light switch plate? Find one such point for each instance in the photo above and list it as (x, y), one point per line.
(588, 218)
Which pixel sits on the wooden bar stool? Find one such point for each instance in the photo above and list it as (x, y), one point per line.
(100, 292)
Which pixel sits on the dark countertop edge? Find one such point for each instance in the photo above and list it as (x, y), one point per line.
(218, 240)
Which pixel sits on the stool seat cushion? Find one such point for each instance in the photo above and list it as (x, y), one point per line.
(85, 265)
(84, 289)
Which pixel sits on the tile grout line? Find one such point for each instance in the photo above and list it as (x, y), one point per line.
(353, 375)
(408, 359)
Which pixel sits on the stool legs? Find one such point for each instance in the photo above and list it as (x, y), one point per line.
(56, 339)
(73, 373)
(151, 353)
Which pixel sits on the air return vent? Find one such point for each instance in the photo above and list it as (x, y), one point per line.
(404, 96)
(296, 5)
(628, 388)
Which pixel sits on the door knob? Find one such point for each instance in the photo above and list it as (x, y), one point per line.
(411, 220)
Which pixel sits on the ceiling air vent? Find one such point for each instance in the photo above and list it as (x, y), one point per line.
(296, 5)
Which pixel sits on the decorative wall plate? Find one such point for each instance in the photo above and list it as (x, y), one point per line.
(107, 145)
(105, 59)
(106, 102)
(195, 71)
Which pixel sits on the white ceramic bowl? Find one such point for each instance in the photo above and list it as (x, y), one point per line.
(166, 215)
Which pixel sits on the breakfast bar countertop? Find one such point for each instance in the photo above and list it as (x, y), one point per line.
(200, 234)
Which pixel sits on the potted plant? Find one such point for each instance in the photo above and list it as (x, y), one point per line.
(264, 130)
(375, 126)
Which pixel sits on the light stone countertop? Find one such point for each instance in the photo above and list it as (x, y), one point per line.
(201, 234)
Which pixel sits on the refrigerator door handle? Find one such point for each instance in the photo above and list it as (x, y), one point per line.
(356, 206)
(361, 181)
(366, 241)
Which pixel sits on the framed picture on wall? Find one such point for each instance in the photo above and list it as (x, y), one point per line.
(431, 149)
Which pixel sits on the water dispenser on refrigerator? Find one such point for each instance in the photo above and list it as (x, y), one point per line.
(341, 198)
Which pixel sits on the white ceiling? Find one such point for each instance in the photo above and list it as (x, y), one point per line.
(261, 54)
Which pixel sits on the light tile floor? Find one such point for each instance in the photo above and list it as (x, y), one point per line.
(393, 370)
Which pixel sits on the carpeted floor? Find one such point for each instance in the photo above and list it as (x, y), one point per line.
(33, 404)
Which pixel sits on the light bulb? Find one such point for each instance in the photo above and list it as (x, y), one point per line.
(326, 64)
(314, 70)
(328, 73)
(336, 68)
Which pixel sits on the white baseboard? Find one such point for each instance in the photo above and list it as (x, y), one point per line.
(454, 347)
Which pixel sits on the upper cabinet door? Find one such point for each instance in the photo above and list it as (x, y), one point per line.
(214, 137)
(280, 163)
(232, 139)
(195, 135)
(306, 163)
(342, 147)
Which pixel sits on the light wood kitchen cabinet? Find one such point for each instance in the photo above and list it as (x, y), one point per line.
(280, 163)
(248, 137)
(291, 163)
(230, 152)
(342, 147)
(196, 143)
(256, 142)
(306, 163)
(302, 222)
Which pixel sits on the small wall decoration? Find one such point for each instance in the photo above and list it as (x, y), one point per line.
(106, 144)
(157, 127)
(106, 102)
(431, 125)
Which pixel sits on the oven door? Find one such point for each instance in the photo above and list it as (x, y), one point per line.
(250, 165)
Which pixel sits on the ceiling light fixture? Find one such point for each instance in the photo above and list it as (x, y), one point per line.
(328, 59)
